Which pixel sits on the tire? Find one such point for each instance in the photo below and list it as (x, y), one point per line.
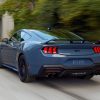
(87, 76)
(23, 71)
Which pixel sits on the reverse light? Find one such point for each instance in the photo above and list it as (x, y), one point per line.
(96, 49)
(50, 50)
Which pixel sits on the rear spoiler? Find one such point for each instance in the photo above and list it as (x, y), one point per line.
(76, 35)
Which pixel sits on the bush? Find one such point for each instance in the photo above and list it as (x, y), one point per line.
(74, 15)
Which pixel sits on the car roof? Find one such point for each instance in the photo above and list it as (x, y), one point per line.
(28, 30)
(42, 36)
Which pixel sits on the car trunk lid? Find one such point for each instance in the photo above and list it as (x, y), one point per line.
(74, 48)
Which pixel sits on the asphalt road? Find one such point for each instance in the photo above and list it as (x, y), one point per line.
(48, 89)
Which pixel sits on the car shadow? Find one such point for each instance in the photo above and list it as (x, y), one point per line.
(65, 81)
(65, 84)
(71, 81)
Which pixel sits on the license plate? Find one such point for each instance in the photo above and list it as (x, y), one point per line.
(78, 62)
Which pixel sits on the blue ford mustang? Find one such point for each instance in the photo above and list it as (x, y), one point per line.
(38, 53)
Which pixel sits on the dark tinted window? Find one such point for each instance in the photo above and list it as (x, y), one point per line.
(48, 35)
(16, 37)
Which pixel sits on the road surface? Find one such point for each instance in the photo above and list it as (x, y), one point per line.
(48, 89)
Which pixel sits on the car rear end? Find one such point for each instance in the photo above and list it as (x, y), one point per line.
(59, 54)
(70, 57)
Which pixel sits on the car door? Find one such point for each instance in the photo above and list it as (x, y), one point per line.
(4, 52)
(9, 51)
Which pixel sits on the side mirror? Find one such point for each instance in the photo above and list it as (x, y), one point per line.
(22, 39)
(5, 40)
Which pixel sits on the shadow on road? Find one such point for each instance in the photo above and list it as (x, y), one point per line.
(61, 84)
(66, 81)
(71, 81)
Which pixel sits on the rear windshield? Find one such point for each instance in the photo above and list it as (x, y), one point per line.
(43, 35)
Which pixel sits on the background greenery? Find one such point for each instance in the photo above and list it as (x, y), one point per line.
(79, 16)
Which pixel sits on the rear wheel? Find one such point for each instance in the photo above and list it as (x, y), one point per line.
(23, 71)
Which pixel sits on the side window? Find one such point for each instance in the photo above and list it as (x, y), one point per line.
(25, 36)
(16, 37)
(21, 36)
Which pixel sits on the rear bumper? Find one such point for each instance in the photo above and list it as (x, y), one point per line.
(58, 69)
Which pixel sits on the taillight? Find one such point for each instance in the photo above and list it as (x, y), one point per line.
(50, 50)
(96, 49)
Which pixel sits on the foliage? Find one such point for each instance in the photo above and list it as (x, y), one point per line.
(80, 16)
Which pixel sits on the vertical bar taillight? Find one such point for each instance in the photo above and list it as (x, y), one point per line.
(96, 49)
(50, 50)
